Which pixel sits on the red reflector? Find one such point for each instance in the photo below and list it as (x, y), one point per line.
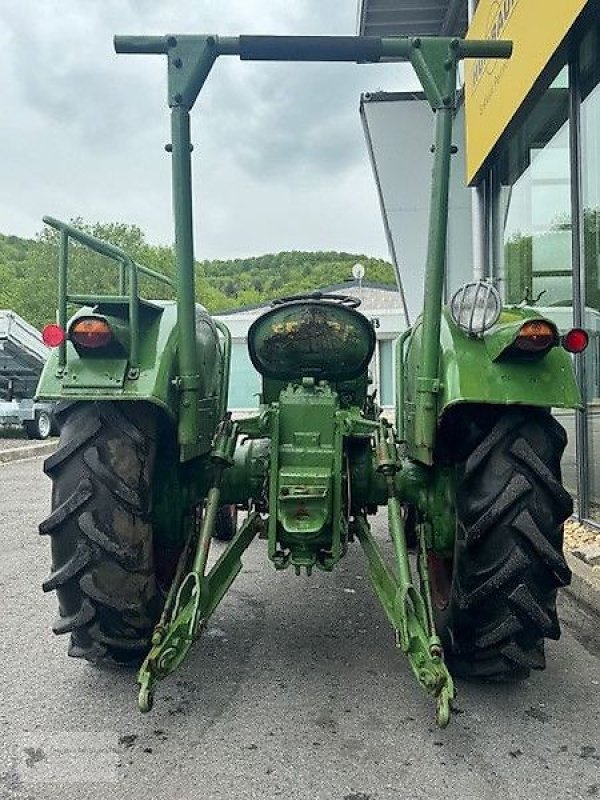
(53, 335)
(576, 340)
(90, 332)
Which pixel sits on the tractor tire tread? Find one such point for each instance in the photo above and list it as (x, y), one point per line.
(84, 615)
(53, 524)
(509, 563)
(101, 537)
(128, 557)
(72, 567)
(112, 481)
(53, 463)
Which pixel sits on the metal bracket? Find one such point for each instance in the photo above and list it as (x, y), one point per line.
(434, 61)
(190, 60)
(188, 383)
(429, 385)
(410, 614)
(197, 597)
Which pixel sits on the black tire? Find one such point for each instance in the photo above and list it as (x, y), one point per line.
(54, 425)
(409, 518)
(101, 531)
(40, 427)
(226, 523)
(508, 561)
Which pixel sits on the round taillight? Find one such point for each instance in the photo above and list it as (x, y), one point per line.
(53, 335)
(536, 336)
(90, 332)
(576, 340)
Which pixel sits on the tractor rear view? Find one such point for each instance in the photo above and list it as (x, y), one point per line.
(151, 466)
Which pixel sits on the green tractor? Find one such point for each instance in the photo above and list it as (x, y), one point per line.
(151, 466)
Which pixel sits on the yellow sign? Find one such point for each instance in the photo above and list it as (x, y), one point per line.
(494, 89)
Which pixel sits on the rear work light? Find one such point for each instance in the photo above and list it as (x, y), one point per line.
(536, 336)
(53, 335)
(91, 333)
(575, 341)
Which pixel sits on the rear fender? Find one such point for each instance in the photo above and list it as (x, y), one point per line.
(95, 377)
(472, 372)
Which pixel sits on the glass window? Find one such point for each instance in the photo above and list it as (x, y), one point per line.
(533, 180)
(589, 79)
(244, 383)
(534, 176)
(386, 372)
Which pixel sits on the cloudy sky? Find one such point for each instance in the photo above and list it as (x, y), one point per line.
(279, 161)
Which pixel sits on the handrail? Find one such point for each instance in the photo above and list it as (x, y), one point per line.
(104, 248)
(310, 48)
(400, 389)
(129, 271)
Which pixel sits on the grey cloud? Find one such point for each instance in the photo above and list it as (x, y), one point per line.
(86, 127)
(289, 120)
(64, 68)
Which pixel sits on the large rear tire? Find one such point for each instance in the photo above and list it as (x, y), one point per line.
(101, 529)
(508, 562)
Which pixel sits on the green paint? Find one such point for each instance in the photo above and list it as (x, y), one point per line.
(499, 339)
(317, 459)
(407, 613)
(471, 372)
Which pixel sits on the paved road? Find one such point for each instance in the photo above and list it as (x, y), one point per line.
(296, 692)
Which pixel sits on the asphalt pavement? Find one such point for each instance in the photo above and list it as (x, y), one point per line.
(295, 691)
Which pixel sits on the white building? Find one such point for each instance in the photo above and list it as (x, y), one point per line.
(382, 304)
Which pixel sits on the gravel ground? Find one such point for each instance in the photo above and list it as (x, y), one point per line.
(12, 437)
(584, 542)
(296, 691)
(578, 534)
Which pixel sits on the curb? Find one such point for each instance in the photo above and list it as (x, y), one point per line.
(28, 451)
(585, 585)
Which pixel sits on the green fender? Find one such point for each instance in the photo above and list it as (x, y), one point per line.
(480, 370)
(107, 377)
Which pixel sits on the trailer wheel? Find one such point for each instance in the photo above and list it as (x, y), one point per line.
(497, 602)
(101, 529)
(40, 427)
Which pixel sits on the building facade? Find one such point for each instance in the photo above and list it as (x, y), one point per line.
(533, 149)
(533, 162)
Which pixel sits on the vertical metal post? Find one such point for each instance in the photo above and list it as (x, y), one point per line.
(427, 382)
(63, 258)
(498, 209)
(134, 319)
(578, 262)
(186, 292)
(479, 230)
(399, 382)
(122, 279)
(477, 207)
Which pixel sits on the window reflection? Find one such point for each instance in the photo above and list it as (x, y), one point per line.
(534, 175)
(533, 179)
(590, 178)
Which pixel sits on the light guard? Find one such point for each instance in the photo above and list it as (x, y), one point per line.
(476, 307)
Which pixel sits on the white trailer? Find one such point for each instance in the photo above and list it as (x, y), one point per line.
(22, 357)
